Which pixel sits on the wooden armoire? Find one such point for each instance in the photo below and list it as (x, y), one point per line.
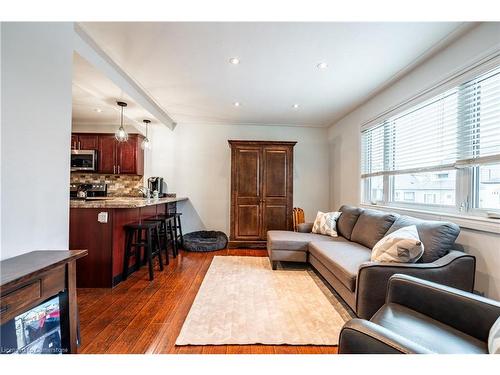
(261, 190)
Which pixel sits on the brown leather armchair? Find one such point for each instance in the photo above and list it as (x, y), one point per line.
(420, 316)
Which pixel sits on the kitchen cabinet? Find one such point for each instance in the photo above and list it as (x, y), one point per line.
(106, 154)
(87, 142)
(120, 157)
(84, 141)
(74, 142)
(261, 190)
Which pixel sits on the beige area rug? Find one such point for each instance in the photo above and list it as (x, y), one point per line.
(243, 301)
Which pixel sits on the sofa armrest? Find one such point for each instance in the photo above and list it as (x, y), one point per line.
(456, 269)
(305, 227)
(464, 311)
(359, 336)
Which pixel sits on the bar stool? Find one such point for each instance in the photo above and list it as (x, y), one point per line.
(174, 219)
(178, 225)
(163, 232)
(151, 245)
(167, 232)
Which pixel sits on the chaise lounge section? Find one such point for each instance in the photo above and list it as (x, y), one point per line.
(344, 261)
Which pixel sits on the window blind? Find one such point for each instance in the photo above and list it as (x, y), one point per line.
(458, 128)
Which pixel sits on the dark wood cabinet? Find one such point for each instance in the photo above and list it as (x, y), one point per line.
(261, 190)
(113, 157)
(128, 156)
(84, 141)
(87, 142)
(74, 142)
(106, 154)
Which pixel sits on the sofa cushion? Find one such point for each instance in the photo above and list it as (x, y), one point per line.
(427, 332)
(401, 246)
(342, 258)
(293, 241)
(438, 237)
(347, 220)
(371, 227)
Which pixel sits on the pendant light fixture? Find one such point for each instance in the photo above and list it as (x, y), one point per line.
(146, 143)
(121, 134)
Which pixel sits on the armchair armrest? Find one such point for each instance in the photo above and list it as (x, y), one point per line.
(360, 336)
(305, 227)
(455, 269)
(464, 311)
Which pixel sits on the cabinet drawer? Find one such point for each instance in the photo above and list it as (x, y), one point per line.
(16, 301)
(21, 299)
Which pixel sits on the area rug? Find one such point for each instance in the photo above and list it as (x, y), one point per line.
(243, 301)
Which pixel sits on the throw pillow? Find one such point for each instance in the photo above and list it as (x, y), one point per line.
(494, 338)
(326, 223)
(400, 246)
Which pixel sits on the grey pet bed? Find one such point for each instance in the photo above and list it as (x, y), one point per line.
(204, 240)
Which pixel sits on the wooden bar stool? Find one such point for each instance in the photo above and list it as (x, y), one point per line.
(164, 233)
(150, 244)
(168, 232)
(178, 225)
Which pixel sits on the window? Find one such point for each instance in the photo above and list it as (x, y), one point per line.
(426, 188)
(409, 196)
(488, 187)
(443, 152)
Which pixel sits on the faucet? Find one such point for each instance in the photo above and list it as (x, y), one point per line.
(145, 192)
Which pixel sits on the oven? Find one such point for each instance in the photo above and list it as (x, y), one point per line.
(84, 160)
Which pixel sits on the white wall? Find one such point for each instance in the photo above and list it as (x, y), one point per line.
(203, 165)
(344, 138)
(36, 64)
(195, 161)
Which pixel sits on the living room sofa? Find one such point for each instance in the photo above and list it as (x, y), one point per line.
(344, 261)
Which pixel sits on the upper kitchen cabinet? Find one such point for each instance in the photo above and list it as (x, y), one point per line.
(120, 157)
(106, 154)
(84, 141)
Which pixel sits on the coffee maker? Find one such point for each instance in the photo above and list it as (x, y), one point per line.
(157, 183)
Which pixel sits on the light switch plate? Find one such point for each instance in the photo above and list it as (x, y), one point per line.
(102, 217)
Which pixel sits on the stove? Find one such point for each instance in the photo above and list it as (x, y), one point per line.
(92, 190)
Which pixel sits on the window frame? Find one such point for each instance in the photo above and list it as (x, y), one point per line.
(467, 177)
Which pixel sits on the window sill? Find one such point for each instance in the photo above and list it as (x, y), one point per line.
(482, 224)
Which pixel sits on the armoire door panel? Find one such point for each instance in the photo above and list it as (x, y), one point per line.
(248, 221)
(248, 173)
(275, 172)
(275, 218)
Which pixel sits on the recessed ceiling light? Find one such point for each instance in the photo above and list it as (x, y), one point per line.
(322, 65)
(295, 106)
(234, 60)
(236, 104)
(98, 110)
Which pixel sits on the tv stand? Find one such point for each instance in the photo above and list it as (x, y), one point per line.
(28, 280)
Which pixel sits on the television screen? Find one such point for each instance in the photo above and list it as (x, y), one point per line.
(37, 331)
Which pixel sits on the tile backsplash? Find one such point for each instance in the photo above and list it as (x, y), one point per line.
(118, 185)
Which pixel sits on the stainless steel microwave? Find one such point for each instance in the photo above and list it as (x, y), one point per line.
(84, 160)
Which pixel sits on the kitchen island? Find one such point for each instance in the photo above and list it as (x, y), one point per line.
(96, 224)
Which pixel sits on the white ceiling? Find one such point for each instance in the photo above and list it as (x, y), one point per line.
(185, 67)
(95, 97)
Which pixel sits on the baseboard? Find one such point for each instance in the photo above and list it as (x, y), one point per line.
(247, 244)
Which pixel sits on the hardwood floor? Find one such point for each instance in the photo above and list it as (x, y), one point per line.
(139, 316)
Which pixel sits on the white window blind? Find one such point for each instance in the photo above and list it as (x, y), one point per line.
(458, 128)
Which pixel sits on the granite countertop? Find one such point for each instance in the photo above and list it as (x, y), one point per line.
(121, 202)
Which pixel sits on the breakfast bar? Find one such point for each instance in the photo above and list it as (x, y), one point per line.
(97, 224)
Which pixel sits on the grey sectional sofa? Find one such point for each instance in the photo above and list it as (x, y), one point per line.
(344, 261)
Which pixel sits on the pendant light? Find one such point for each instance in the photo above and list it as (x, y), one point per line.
(146, 143)
(121, 134)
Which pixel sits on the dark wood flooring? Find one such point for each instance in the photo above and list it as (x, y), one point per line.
(139, 316)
